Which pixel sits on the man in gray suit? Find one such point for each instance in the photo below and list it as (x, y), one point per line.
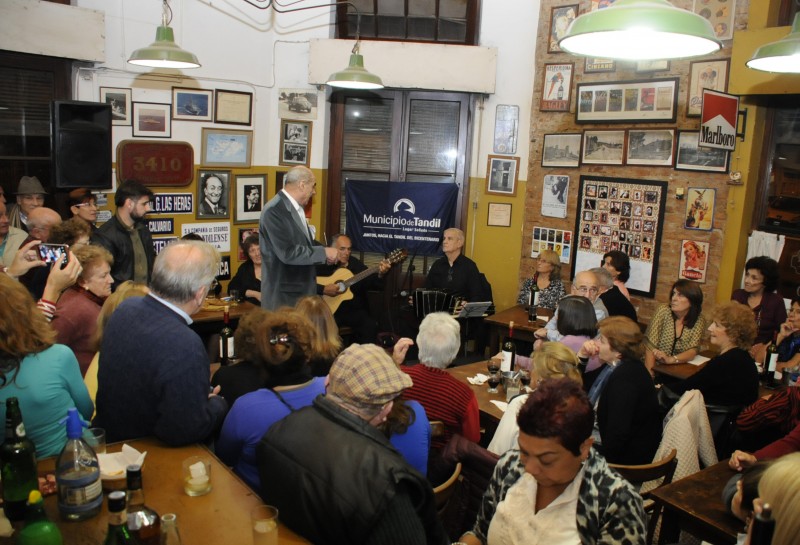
(288, 249)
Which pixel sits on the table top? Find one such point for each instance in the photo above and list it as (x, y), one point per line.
(697, 499)
(481, 391)
(519, 315)
(221, 516)
(217, 315)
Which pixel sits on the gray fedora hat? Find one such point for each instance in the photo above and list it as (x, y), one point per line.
(30, 185)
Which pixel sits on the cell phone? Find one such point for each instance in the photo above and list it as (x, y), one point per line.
(54, 253)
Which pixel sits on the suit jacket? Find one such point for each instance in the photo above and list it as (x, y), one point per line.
(205, 209)
(15, 239)
(289, 255)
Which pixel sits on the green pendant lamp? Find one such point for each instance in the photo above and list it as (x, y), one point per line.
(355, 76)
(640, 30)
(164, 52)
(782, 56)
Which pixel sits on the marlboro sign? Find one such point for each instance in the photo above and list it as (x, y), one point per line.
(718, 120)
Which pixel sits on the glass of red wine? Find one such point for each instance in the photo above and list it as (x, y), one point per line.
(525, 377)
(493, 366)
(494, 382)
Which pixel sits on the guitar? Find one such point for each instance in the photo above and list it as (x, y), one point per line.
(345, 279)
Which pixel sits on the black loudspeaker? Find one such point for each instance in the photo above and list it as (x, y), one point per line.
(81, 144)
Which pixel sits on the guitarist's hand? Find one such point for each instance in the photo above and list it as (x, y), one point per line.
(400, 349)
(383, 267)
(331, 290)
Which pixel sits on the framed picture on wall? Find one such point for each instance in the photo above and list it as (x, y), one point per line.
(560, 19)
(690, 156)
(653, 147)
(562, 150)
(557, 87)
(295, 142)
(226, 148)
(152, 120)
(120, 102)
(705, 75)
(501, 175)
(644, 101)
(213, 194)
(594, 65)
(603, 148)
(700, 202)
(233, 107)
(250, 195)
(506, 124)
(192, 104)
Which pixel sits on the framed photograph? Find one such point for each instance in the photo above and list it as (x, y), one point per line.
(243, 234)
(594, 65)
(562, 150)
(552, 239)
(705, 75)
(226, 148)
(250, 197)
(295, 142)
(499, 215)
(690, 156)
(297, 103)
(557, 88)
(645, 101)
(192, 104)
(694, 260)
(720, 13)
(152, 120)
(120, 102)
(233, 107)
(652, 66)
(501, 175)
(603, 148)
(700, 208)
(595, 5)
(506, 125)
(213, 194)
(560, 19)
(655, 147)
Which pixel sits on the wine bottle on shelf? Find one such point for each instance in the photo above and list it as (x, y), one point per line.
(169, 530)
(39, 530)
(118, 533)
(763, 527)
(509, 350)
(226, 350)
(771, 362)
(533, 299)
(143, 522)
(17, 463)
(80, 491)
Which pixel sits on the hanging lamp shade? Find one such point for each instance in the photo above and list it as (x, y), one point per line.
(164, 52)
(355, 76)
(640, 30)
(782, 56)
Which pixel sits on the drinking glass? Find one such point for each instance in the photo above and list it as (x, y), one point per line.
(197, 475)
(494, 382)
(264, 521)
(525, 377)
(493, 366)
(96, 438)
(234, 294)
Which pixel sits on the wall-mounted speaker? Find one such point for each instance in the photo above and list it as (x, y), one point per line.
(81, 144)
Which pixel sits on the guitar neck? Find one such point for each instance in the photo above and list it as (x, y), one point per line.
(360, 276)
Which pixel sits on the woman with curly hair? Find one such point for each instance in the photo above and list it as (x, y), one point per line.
(731, 378)
(326, 344)
(248, 278)
(44, 376)
(760, 282)
(283, 341)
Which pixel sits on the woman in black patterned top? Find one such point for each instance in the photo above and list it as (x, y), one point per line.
(548, 278)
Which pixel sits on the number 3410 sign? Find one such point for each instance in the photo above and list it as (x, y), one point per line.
(155, 163)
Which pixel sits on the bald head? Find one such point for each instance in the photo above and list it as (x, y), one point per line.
(301, 184)
(40, 220)
(183, 269)
(585, 284)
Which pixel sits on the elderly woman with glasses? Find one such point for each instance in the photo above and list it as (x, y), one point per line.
(547, 276)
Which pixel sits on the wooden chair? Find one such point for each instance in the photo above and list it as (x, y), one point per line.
(443, 492)
(437, 428)
(637, 475)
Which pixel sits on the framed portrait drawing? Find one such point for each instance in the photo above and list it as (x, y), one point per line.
(557, 87)
(644, 101)
(501, 175)
(213, 194)
(700, 203)
(705, 75)
(603, 148)
(152, 120)
(653, 147)
(120, 102)
(233, 107)
(191, 104)
(250, 197)
(226, 148)
(295, 142)
(562, 150)
(720, 13)
(560, 19)
(690, 156)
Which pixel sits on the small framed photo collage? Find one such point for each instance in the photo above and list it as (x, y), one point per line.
(556, 240)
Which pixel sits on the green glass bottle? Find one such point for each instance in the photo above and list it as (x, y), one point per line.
(39, 530)
(118, 533)
(17, 463)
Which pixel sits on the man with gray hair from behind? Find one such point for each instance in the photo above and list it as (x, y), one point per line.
(153, 376)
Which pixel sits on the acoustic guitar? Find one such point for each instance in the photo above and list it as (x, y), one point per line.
(344, 278)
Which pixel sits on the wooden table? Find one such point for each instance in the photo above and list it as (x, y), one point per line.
(666, 373)
(205, 316)
(523, 329)
(694, 504)
(221, 516)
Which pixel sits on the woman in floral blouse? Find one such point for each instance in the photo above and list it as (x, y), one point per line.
(548, 278)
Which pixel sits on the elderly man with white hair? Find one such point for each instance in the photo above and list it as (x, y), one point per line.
(586, 285)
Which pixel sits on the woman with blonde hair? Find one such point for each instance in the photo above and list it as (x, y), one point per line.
(547, 276)
(780, 488)
(327, 343)
(551, 360)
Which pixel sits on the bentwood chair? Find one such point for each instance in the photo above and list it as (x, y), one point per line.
(443, 492)
(637, 475)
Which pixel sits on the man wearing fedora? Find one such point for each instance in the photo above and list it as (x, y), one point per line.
(30, 195)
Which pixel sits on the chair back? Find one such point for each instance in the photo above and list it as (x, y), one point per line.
(437, 428)
(443, 492)
(722, 419)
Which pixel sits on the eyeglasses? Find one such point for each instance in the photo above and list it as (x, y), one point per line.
(85, 204)
(586, 289)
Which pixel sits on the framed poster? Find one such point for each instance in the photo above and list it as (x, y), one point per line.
(120, 102)
(233, 107)
(250, 197)
(705, 75)
(556, 240)
(720, 13)
(213, 194)
(506, 125)
(603, 148)
(191, 104)
(554, 195)
(594, 65)
(295, 142)
(646, 101)
(694, 261)
(700, 208)
(501, 175)
(652, 66)
(226, 148)
(557, 88)
(690, 156)
(621, 214)
(562, 150)
(655, 147)
(152, 120)
(499, 214)
(560, 19)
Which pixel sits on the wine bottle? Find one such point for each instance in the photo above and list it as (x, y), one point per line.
(17, 463)
(226, 350)
(169, 530)
(143, 522)
(80, 491)
(763, 527)
(533, 300)
(39, 530)
(509, 350)
(771, 362)
(118, 533)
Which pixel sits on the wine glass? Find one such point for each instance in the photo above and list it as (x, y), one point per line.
(525, 377)
(494, 382)
(493, 366)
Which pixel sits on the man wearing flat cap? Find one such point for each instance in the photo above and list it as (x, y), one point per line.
(334, 476)
(30, 195)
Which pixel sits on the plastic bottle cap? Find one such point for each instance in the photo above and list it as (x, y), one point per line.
(75, 424)
(34, 497)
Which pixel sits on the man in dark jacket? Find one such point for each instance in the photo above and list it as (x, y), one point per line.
(334, 476)
(126, 235)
